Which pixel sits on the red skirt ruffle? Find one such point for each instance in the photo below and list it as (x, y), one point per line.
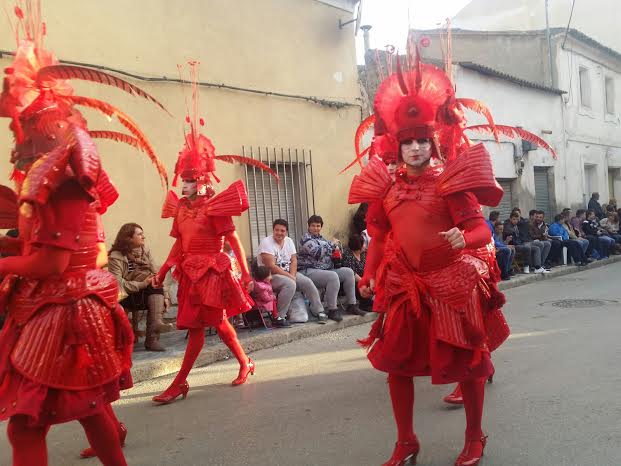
(408, 346)
(205, 303)
(44, 405)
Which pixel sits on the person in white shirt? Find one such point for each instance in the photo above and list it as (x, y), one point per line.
(278, 253)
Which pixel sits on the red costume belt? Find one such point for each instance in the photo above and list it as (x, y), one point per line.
(28, 295)
(450, 292)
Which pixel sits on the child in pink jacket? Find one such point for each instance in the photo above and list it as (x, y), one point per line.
(262, 294)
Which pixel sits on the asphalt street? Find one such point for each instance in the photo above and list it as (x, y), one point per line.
(555, 399)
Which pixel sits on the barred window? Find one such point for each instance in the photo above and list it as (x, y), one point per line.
(292, 198)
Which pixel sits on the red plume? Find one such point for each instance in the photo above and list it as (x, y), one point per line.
(126, 121)
(513, 132)
(479, 107)
(247, 161)
(88, 74)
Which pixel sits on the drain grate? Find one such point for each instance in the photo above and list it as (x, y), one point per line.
(579, 303)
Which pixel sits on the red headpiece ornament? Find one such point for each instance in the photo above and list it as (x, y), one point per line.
(421, 103)
(36, 83)
(386, 147)
(198, 156)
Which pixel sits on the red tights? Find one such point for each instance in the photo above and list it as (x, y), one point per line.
(402, 396)
(29, 446)
(196, 341)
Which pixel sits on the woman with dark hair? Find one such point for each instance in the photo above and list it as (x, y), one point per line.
(355, 257)
(133, 267)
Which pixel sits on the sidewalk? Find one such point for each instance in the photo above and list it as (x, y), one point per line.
(149, 365)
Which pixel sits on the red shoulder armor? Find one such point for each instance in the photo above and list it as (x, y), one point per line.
(171, 205)
(371, 184)
(471, 171)
(233, 201)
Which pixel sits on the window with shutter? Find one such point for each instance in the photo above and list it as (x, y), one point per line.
(506, 204)
(291, 198)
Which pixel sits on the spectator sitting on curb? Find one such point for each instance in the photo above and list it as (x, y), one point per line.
(277, 252)
(539, 232)
(524, 231)
(355, 257)
(605, 244)
(316, 263)
(574, 234)
(611, 225)
(577, 223)
(574, 249)
(262, 292)
(513, 236)
(504, 253)
(134, 269)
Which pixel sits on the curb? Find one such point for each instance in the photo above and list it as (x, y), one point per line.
(146, 370)
(520, 280)
(150, 369)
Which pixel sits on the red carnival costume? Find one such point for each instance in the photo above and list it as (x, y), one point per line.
(209, 293)
(429, 261)
(65, 350)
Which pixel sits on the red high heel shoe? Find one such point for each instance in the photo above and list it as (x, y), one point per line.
(468, 457)
(90, 453)
(454, 398)
(172, 393)
(244, 371)
(405, 454)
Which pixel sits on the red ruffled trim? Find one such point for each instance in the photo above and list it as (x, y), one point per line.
(47, 406)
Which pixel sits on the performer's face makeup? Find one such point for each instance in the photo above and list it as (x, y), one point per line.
(416, 152)
(188, 188)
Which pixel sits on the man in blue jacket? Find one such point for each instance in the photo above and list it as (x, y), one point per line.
(574, 249)
(504, 253)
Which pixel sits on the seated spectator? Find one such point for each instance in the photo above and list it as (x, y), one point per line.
(316, 263)
(552, 250)
(525, 235)
(611, 225)
(577, 224)
(572, 232)
(515, 234)
(133, 267)
(604, 243)
(574, 248)
(262, 292)
(277, 253)
(355, 257)
(595, 206)
(504, 253)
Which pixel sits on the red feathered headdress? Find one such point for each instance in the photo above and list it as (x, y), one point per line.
(408, 102)
(36, 82)
(198, 156)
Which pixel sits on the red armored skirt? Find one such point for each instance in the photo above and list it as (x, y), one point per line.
(66, 362)
(438, 323)
(208, 291)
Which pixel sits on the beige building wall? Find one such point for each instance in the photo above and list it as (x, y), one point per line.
(286, 46)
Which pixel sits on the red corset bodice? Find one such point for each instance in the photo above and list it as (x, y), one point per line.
(417, 213)
(198, 232)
